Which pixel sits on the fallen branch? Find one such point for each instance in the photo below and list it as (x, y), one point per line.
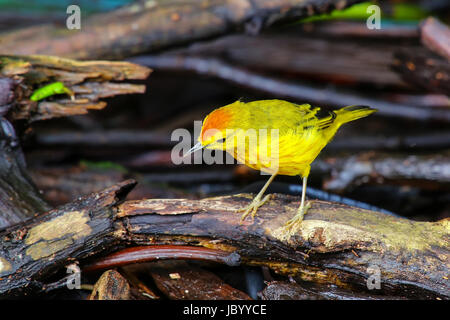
(428, 171)
(154, 253)
(312, 58)
(282, 88)
(90, 81)
(147, 26)
(336, 245)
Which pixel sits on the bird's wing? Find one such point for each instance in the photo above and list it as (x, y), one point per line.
(285, 116)
(313, 119)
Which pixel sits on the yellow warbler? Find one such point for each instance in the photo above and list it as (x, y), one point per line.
(276, 137)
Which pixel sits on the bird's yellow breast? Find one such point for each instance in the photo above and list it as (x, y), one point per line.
(288, 154)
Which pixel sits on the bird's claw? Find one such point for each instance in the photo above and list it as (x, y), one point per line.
(253, 207)
(293, 225)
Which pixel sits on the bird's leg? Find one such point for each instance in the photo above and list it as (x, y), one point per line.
(292, 226)
(257, 202)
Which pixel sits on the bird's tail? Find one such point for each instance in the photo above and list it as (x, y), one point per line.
(351, 113)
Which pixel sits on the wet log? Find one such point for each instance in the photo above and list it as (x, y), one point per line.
(181, 281)
(337, 244)
(42, 246)
(153, 25)
(90, 81)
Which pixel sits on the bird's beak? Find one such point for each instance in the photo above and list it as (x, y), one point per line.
(198, 146)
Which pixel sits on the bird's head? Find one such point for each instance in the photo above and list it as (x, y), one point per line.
(217, 127)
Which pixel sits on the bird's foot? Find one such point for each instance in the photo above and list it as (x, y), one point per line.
(292, 226)
(253, 207)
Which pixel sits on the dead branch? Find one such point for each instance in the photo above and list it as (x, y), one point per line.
(90, 81)
(57, 238)
(105, 138)
(152, 139)
(428, 171)
(282, 88)
(154, 253)
(311, 58)
(336, 245)
(147, 26)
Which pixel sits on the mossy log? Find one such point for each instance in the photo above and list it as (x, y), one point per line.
(152, 25)
(337, 245)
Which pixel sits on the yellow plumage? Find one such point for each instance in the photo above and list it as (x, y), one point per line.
(275, 136)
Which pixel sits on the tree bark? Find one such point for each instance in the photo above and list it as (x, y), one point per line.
(337, 244)
(149, 26)
(90, 81)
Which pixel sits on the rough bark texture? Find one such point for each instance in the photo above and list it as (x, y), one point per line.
(32, 251)
(19, 198)
(90, 81)
(153, 25)
(337, 244)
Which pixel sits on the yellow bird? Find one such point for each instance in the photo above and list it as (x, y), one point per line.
(276, 137)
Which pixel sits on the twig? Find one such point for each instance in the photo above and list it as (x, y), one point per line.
(162, 252)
